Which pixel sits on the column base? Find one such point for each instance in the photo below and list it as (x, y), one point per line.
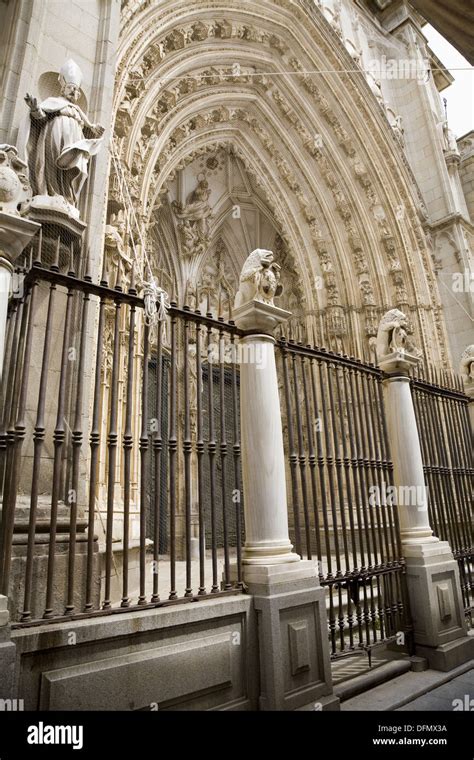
(450, 655)
(434, 589)
(268, 553)
(295, 667)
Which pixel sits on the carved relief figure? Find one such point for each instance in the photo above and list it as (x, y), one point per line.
(61, 140)
(116, 250)
(260, 278)
(392, 336)
(194, 217)
(449, 138)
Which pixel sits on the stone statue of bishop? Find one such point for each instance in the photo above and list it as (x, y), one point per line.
(61, 140)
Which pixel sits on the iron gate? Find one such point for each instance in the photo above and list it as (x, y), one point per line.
(442, 414)
(339, 473)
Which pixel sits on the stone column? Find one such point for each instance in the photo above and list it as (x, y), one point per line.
(432, 573)
(290, 603)
(263, 464)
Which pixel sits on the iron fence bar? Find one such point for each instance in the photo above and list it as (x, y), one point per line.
(187, 451)
(38, 440)
(16, 434)
(77, 435)
(312, 464)
(112, 441)
(341, 392)
(14, 382)
(9, 366)
(338, 467)
(211, 450)
(223, 459)
(330, 465)
(144, 446)
(292, 455)
(172, 454)
(94, 443)
(321, 475)
(127, 444)
(58, 438)
(200, 463)
(301, 457)
(359, 426)
(157, 444)
(236, 459)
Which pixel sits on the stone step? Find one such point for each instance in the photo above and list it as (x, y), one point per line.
(374, 677)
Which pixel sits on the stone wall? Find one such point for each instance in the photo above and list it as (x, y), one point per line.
(194, 656)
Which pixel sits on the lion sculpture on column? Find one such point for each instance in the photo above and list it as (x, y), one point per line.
(259, 279)
(392, 336)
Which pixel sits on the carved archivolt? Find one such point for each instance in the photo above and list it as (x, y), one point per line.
(323, 152)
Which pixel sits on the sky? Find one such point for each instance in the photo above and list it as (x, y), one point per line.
(460, 95)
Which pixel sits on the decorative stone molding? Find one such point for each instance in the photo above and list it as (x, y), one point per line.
(156, 55)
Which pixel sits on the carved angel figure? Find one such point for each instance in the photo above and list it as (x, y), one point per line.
(61, 140)
(260, 278)
(392, 335)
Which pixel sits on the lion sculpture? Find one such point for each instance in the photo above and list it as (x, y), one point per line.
(392, 335)
(466, 366)
(259, 279)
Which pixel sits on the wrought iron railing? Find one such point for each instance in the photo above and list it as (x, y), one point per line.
(441, 408)
(119, 452)
(339, 479)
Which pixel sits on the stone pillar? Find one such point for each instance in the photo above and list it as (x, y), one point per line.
(290, 603)
(432, 573)
(266, 519)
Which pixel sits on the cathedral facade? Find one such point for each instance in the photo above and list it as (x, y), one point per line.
(236, 245)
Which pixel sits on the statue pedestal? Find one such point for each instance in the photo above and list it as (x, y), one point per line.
(60, 221)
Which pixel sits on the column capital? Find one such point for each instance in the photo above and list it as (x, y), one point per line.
(398, 363)
(258, 317)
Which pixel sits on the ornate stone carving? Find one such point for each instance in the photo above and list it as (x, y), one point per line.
(466, 366)
(259, 279)
(449, 139)
(115, 246)
(392, 337)
(15, 188)
(61, 141)
(194, 217)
